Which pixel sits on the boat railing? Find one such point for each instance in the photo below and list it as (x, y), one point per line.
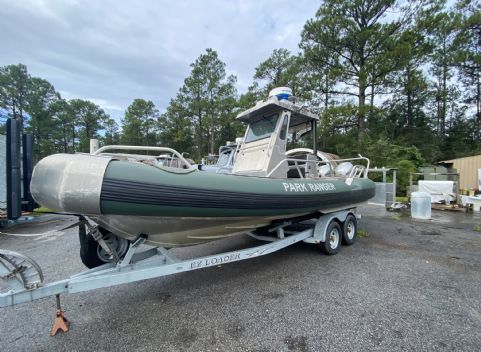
(173, 154)
(357, 171)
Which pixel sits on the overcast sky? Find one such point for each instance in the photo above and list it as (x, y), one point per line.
(114, 51)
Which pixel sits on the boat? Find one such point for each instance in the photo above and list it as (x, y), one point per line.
(124, 195)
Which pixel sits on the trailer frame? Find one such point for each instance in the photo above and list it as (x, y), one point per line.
(158, 261)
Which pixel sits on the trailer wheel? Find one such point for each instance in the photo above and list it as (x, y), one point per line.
(332, 243)
(92, 254)
(350, 230)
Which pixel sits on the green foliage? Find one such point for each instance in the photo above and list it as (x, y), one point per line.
(358, 46)
(65, 131)
(209, 99)
(13, 90)
(41, 103)
(89, 118)
(279, 70)
(362, 233)
(383, 152)
(442, 35)
(251, 97)
(175, 128)
(467, 58)
(396, 216)
(404, 168)
(112, 135)
(139, 125)
(337, 132)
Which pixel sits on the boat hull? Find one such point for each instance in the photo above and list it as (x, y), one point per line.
(179, 231)
(171, 232)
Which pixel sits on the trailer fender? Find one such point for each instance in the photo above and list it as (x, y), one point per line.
(323, 222)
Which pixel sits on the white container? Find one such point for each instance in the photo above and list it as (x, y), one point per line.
(476, 202)
(420, 205)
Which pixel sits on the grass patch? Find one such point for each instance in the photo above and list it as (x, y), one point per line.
(41, 210)
(396, 216)
(402, 199)
(477, 228)
(362, 233)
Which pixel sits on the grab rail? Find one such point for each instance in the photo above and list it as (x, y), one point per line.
(357, 170)
(145, 148)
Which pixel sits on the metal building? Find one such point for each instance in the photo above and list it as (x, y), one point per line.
(468, 169)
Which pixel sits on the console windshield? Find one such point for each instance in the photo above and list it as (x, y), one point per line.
(262, 128)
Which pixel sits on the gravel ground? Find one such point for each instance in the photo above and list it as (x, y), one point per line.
(408, 285)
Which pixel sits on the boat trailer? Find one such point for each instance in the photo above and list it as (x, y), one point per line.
(21, 278)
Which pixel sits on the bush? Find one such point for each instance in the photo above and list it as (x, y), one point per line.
(405, 167)
(383, 152)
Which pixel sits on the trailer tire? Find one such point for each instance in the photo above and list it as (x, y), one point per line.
(333, 240)
(88, 251)
(90, 248)
(349, 232)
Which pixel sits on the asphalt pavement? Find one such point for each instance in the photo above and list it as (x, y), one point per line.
(406, 286)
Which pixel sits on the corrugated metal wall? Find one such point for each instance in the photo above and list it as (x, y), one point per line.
(3, 171)
(468, 170)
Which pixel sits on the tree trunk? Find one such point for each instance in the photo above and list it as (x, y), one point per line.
(65, 145)
(373, 87)
(212, 137)
(444, 95)
(21, 115)
(478, 106)
(361, 123)
(444, 101)
(439, 107)
(73, 139)
(362, 113)
(362, 100)
(409, 98)
(326, 106)
(14, 108)
(201, 141)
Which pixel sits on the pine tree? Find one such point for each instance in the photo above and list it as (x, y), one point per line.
(467, 57)
(139, 123)
(41, 99)
(89, 119)
(13, 90)
(204, 97)
(280, 69)
(356, 41)
(176, 130)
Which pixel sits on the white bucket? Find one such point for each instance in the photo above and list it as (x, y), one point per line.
(420, 205)
(476, 202)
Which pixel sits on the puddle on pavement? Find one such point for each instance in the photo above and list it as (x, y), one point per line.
(457, 219)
